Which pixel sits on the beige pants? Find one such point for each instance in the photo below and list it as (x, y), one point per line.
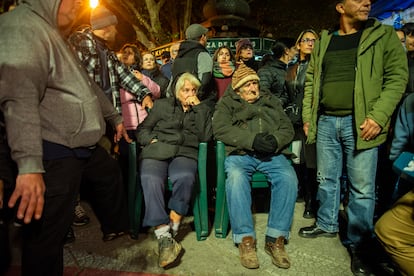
(395, 229)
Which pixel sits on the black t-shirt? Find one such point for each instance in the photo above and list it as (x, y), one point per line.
(338, 74)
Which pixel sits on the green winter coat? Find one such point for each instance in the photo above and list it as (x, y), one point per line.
(236, 123)
(381, 77)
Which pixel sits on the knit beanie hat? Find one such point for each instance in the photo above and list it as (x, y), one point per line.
(195, 31)
(101, 17)
(242, 75)
(240, 44)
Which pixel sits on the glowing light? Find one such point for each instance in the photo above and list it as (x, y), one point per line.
(93, 3)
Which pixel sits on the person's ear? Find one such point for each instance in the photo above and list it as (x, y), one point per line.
(340, 8)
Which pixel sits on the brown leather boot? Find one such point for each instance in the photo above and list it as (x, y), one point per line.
(277, 251)
(247, 249)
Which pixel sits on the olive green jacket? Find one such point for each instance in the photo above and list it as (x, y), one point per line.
(237, 122)
(381, 77)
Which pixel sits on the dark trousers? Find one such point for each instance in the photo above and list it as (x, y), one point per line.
(182, 172)
(42, 252)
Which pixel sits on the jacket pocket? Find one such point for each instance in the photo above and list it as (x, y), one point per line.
(72, 123)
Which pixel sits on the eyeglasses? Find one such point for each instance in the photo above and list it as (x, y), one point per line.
(308, 40)
(245, 47)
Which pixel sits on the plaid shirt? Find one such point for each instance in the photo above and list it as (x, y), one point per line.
(119, 75)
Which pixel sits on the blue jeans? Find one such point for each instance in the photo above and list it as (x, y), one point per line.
(182, 173)
(336, 143)
(284, 184)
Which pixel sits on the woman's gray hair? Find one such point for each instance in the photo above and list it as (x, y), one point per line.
(181, 81)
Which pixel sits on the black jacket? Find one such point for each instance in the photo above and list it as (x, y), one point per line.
(272, 80)
(157, 76)
(187, 61)
(295, 84)
(178, 133)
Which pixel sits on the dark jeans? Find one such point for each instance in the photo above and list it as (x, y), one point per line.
(43, 240)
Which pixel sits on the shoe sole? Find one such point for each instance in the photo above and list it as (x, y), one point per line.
(308, 215)
(255, 266)
(325, 235)
(273, 260)
(112, 236)
(177, 249)
(251, 267)
(79, 223)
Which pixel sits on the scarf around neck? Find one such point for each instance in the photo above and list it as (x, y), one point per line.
(223, 70)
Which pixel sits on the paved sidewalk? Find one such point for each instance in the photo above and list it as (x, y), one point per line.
(214, 256)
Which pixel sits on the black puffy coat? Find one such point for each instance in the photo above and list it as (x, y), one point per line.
(157, 76)
(272, 80)
(178, 132)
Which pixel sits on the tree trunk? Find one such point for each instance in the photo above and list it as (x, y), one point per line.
(187, 17)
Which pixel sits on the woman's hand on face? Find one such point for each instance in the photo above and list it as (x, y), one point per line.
(192, 100)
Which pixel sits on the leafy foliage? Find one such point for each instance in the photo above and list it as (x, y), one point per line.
(152, 23)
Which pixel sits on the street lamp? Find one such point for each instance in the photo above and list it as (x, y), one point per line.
(93, 3)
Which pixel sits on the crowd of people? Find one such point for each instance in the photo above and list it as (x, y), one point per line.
(316, 109)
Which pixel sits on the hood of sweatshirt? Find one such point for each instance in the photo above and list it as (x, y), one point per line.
(46, 9)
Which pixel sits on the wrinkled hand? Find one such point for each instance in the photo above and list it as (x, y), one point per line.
(370, 129)
(306, 128)
(192, 100)
(121, 132)
(147, 102)
(30, 188)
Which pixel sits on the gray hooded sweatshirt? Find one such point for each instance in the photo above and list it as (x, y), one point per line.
(45, 93)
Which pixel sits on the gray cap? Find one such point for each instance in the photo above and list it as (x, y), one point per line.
(101, 17)
(195, 31)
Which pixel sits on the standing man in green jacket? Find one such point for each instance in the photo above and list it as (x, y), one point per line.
(355, 79)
